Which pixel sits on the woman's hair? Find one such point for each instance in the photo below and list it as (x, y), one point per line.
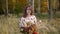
(30, 8)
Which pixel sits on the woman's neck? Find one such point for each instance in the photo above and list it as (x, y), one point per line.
(28, 15)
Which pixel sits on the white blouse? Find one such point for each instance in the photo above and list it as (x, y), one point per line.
(32, 19)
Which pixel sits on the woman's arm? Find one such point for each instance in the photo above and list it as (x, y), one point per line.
(21, 22)
(35, 20)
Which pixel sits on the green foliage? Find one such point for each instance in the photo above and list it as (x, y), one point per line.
(20, 5)
(1, 12)
(18, 9)
(42, 16)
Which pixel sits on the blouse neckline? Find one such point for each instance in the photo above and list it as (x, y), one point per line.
(29, 16)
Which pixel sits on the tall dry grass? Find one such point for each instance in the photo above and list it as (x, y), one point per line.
(10, 25)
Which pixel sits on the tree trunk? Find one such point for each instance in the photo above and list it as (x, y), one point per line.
(33, 4)
(0, 3)
(6, 12)
(28, 1)
(59, 5)
(13, 7)
(0, 6)
(38, 8)
(50, 10)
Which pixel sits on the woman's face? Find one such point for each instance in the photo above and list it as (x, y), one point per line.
(28, 11)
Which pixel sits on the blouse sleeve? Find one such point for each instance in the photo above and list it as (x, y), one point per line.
(21, 23)
(35, 20)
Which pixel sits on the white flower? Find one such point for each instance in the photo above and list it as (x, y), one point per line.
(40, 20)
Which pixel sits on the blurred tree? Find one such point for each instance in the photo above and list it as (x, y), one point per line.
(59, 4)
(13, 5)
(44, 6)
(17, 6)
(38, 2)
(4, 6)
(28, 1)
(50, 9)
(20, 6)
(33, 4)
(0, 6)
(54, 6)
(10, 6)
(6, 12)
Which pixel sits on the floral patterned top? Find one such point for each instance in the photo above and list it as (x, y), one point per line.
(32, 19)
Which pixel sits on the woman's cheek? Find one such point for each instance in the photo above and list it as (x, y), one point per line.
(27, 11)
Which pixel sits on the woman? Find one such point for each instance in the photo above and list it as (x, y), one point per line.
(28, 17)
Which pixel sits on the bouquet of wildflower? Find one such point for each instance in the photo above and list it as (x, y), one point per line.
(33, 29)
(26, 26)
(29, 28)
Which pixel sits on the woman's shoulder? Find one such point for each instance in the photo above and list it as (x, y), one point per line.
(33, 16)
(22, 18)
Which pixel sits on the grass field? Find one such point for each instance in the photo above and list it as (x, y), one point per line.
(10, 25)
